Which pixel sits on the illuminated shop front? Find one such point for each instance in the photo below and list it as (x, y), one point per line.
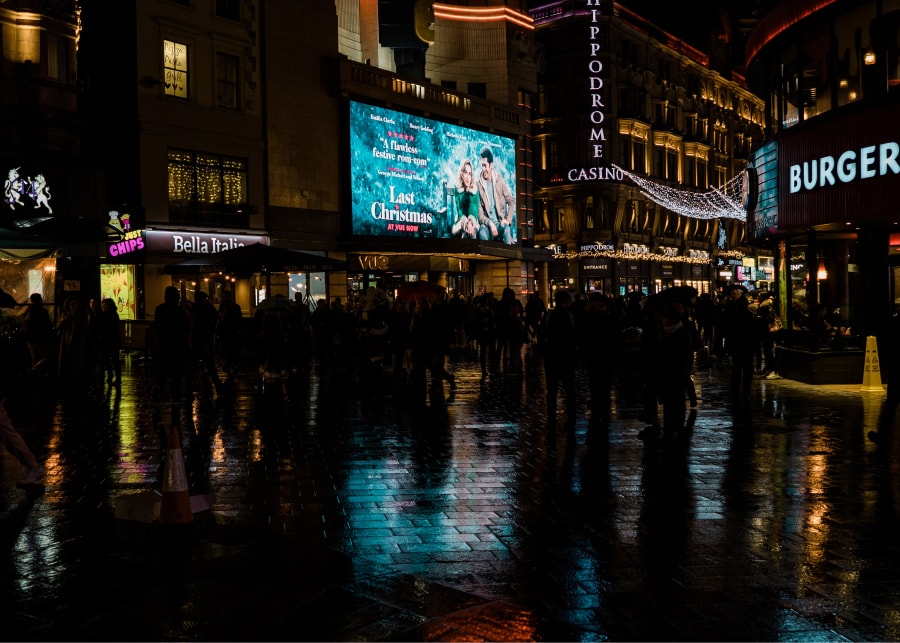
(822, 191)
(390, 271)
(135, 268)
(824, 203)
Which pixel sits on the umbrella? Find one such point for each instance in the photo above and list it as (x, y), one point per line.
(278, 302)
(415, 290)
(257, 257)
(684, 295)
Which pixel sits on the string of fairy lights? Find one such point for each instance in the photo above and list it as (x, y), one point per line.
(634, 256)
(723, 202)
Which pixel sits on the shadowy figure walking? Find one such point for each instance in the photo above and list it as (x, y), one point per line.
(110, 342)
(511, 331)
(600, 337)
(228, 330)
(558, 346)
(203, 320)
(14, 370)
(40, 335)
(170, 340)
(673, 355)
(74, 346)
(741, 338)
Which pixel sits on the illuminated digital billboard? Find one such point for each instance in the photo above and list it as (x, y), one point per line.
(411, 176)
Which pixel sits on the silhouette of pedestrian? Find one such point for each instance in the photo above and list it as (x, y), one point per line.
(110, 342)
(324, 331)
(12, 371)
(486, 333)
(40, 335)
(511, 332)
(558, 346)
(170, 340)
(741, 339)
(440, 342)
(228, 330)
(673, 355)
(600, 337)
(74, 346)
(203, 320)
(534, 312)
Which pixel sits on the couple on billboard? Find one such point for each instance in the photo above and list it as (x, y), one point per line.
(485, 208)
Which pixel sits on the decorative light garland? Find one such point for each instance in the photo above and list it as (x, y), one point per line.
(633, 256)
(718, 203)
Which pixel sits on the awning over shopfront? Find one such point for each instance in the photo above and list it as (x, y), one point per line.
(16, 246)
(259, 258)
(66, 229)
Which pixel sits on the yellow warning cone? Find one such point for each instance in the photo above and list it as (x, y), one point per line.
(872, 368)
(176, 501)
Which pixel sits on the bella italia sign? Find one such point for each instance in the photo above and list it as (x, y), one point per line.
(597, 112)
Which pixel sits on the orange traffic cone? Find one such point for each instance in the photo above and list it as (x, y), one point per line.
(176, 501)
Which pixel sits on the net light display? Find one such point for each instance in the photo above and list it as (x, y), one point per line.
(724, 202)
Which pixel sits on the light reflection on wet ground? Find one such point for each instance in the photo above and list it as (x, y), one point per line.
(359, 509)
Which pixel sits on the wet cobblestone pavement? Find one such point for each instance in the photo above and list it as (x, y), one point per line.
(346, 510)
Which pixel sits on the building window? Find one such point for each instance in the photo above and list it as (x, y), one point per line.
(540, 217)
(449, 84)
(207, 189)
(478, 89)
(559, 224)
(56, 59)
(671, 164)
(721, 176)
(230, 9)
(625, 153)
(702, 180)
(661, 112)
(690, 125)
(639, 149)
(175, 68)
(589, 220)
(227, 86)
(659, 162)
(552, 149)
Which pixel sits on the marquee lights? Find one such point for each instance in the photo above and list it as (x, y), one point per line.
(482, 14)
(634, 256)
(719, 203)
(698, 259)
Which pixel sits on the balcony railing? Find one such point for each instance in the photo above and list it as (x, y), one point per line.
(366, 81)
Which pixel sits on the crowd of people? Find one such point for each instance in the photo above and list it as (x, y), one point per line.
(81, 348)
(194, 342)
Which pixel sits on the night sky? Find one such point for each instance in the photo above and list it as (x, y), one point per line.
(696, 21)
